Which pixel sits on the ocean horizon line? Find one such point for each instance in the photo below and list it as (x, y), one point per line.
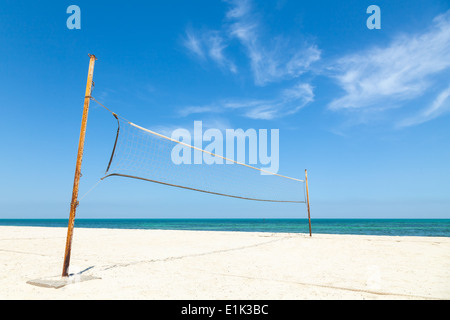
(358, 226)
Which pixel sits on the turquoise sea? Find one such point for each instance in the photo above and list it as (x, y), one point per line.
(389, 227)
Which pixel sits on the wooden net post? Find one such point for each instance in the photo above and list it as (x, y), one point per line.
(74, 203)
(307, 202)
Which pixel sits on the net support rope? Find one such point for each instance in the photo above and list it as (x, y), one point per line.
(172, 141)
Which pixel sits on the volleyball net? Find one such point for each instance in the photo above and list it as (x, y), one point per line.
(143, 154)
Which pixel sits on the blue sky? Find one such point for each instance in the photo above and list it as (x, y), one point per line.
(365, 111)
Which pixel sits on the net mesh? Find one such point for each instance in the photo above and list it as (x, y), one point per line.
(143, 154)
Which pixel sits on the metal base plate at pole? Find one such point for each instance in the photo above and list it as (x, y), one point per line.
(59, 282)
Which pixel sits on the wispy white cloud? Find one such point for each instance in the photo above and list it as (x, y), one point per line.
(216, 46)
(394, 76)
(289, 101)
(238, 9)
(209, 45)
(194, 44)
(439, 106)
(271, 58)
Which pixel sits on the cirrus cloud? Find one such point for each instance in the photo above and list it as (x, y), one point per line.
(271, 60)
(396, 75)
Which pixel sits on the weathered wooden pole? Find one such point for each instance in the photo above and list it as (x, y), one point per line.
(74, 203)
(307, 202)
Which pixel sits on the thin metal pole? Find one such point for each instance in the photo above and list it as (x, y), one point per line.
(307, 202)
(74, 203)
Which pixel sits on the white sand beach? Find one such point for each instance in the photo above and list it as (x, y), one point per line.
(194, 265)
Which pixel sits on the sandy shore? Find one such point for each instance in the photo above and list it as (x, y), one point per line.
(173, 265)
